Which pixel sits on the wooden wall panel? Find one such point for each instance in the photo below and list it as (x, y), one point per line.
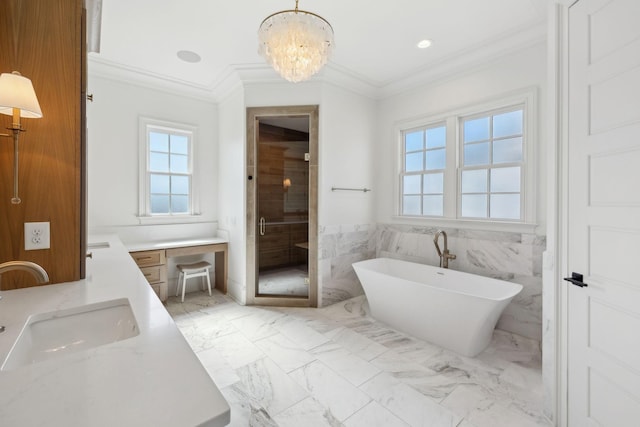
(42, 39)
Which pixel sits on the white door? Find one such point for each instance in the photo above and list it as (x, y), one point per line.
(604, 213)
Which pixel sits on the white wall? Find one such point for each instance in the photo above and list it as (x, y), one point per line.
(347, 140)
(113, 147)
(232, 189)
(515, 72)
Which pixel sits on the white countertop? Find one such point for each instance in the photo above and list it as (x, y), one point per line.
(151, 379)
(166, 244)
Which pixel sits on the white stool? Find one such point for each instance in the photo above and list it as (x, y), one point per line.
(189, 271)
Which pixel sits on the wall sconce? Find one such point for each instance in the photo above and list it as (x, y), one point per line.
(286, 183)
(17, 99)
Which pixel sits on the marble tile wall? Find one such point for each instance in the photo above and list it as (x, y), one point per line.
(515, 257)
(339, 246)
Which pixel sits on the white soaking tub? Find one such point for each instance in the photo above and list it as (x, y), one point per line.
(452, 309)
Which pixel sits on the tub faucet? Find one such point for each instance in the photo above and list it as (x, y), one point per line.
(38, 272)
(444, 255)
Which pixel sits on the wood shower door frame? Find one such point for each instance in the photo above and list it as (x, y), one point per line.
(253, 115)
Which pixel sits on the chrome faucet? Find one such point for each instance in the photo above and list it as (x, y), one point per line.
(444, 255)
(38, 272)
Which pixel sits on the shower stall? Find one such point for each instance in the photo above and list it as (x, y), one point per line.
(282, 205)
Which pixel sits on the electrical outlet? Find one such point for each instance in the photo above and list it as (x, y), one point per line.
(36, 236)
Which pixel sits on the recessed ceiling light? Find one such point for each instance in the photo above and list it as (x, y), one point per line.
(423, 44)
(188, 56)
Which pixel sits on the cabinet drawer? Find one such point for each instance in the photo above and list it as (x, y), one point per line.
(146, 258)
(154, 274)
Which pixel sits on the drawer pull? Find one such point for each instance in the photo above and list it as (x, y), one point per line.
(145, 258)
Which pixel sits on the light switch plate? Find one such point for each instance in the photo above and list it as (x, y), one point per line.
(36, 236)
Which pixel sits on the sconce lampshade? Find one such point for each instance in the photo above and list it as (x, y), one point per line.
(17, 91)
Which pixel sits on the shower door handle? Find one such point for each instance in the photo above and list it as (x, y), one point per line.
(263, 226)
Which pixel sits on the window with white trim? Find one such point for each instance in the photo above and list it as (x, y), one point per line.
(166, 166)
(492, 164)
(424, 165)
(474, 164)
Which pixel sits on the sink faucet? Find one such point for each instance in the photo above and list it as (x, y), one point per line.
(444, 255)
(38, 272)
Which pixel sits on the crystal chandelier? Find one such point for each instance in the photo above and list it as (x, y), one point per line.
(296, 43)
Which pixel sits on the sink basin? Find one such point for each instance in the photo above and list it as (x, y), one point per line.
(53, 335)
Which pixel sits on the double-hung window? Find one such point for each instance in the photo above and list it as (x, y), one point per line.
(424, 166)
(492, 164)
(473, 164)
(167, 179)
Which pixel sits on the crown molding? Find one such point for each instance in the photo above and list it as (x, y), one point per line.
(105, 68)
(469, 60)
(240, 74)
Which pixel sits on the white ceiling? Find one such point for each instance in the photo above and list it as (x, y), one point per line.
(375, 41)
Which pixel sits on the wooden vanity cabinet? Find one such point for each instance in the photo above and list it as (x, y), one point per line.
(153, 265)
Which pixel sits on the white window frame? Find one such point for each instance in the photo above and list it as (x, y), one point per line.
(146, 125)
(423, 172)
(452, 177)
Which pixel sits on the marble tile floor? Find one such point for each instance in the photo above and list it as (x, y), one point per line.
(284, 281)
(336, 366)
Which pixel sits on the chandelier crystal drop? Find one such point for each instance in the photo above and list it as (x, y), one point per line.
(296, 43)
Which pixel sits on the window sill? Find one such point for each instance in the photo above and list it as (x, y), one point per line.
(504, 226)
(169, 219)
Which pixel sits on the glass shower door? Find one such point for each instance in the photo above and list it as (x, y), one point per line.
(282, 210)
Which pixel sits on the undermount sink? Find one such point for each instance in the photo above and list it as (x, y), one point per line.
(52, 335)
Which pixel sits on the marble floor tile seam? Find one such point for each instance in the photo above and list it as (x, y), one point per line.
(333, 363)
(506, 408)
(409, 382)
(307, 413)
(519, 355)
(503, 415)
(272, 388)
(407, 404)
(313, 347)
(284, 361)
(330, 389)
(356, 374)
(381, 417)
(496, 396)
(244, 411)
(254, 331)
(208, 324)
(356, 343)
(323, 350)
(391, 338)
(489, 397)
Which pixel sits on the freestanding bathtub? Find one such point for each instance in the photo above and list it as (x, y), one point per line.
(454, 310)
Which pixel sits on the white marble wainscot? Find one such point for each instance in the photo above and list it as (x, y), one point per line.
(515, 257)
(339, 247)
